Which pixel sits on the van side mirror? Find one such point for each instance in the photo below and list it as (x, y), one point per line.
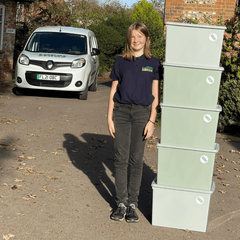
(95, 51)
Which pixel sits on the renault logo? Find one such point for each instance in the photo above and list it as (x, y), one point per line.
(50, 64)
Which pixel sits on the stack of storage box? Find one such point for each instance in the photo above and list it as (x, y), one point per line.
(186, 152)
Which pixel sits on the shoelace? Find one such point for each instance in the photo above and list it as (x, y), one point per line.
(122, 208)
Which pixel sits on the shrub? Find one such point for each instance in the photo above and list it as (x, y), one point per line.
(229, 94)
(145, 12)
(111, 36)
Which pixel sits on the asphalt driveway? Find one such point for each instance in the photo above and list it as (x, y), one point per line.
(57, 178)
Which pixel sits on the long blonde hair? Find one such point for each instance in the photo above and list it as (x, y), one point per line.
(128, 52)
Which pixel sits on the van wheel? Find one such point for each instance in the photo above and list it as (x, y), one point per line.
(93, 87)
(83, 95)
(17, 91)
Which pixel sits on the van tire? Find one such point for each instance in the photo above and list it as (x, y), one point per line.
(93, 87)
(83, 95)
(17, 91)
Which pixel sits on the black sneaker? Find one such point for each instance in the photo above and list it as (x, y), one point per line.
(119, 213)
(132, 216)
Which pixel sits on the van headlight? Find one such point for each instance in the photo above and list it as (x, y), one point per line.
(23, 59)
(78, 63)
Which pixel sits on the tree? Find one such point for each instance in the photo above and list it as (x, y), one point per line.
(159, 6)
(111, 36)
(145, 12)
(88, 12)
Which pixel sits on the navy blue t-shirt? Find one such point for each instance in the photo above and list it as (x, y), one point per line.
(135, 79)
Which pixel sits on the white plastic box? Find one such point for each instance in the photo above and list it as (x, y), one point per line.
(191, 86)
(193, 44)
(180, 208)
(189, 127)
(186, 168)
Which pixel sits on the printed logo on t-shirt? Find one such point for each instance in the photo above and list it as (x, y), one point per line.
(147, 69)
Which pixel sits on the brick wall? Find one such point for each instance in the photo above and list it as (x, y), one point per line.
(6, 55)
(180, 10)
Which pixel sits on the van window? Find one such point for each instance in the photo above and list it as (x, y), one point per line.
(65, 43)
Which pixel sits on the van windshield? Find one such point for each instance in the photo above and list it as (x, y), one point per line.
(54, 42)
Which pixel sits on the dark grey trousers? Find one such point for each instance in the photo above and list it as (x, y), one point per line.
(129, 121)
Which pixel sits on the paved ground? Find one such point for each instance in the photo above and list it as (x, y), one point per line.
(56, 174)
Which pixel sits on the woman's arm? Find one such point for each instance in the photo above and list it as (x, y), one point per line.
(149, 128)
(110, 109)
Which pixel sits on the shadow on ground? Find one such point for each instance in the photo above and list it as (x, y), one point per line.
(44, 93)
(94, 156)
(49, 93)
(7, 148)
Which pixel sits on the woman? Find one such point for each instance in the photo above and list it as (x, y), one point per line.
(132, 110)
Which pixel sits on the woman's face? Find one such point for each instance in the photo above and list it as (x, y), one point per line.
(138, 41)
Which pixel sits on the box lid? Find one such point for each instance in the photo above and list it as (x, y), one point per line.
(195, 25)
(193, 66)
(217, 109)
(155, 185)
(215, 150)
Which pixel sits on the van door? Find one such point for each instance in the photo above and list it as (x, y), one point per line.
(95, 58)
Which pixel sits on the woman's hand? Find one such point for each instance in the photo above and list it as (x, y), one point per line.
(111, 128)
(148, 130)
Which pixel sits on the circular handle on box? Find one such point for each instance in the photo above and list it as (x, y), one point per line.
(210, 79)
(213, 37)
(200, 200)
(204, 159)
(207, 118)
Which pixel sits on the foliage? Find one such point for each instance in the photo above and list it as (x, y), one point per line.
(229, 94)
(145, 12)
(37, 14)
(48, 13)
(88, 12)
(111, 35)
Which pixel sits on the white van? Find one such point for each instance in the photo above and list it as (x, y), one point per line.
(59, 58)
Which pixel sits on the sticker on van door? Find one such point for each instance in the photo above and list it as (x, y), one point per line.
(52, 55)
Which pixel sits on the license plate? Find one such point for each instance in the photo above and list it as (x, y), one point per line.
(48, 77)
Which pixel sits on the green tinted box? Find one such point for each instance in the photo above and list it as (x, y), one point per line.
(189, 127)
(192, 44)
(190, 86)
(185, 167)
(180, 208)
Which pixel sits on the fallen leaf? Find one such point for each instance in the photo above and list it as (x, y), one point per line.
(20, 180)
(7, 237)
(31, 195)
(220, 171)
(14, 187)
(26, 199)
(22, 214)
(221, 191)
(235, 151)
(226, 184)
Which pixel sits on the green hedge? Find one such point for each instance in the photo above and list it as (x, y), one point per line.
(229, 94)
(111, 36)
